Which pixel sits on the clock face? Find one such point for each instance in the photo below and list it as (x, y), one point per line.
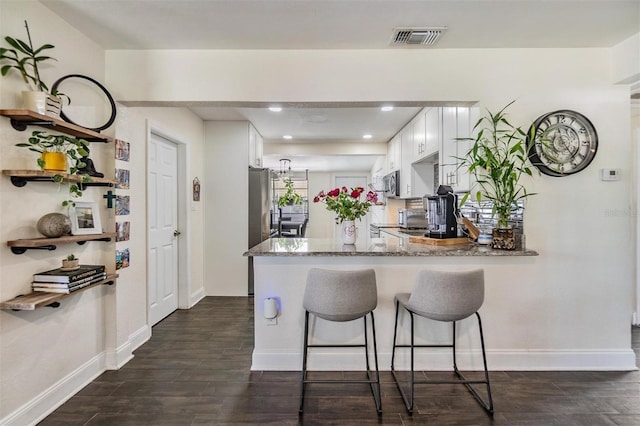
(565, 143)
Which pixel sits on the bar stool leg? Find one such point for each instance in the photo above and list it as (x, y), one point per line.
(377, 395)
(408, 401)
(304, 360)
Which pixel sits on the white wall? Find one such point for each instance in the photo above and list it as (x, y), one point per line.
(37, 363)
(582, 286)
(39, 369)
(225, 188)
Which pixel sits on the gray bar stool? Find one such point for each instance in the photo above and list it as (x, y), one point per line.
(449, 297)
(342, 296)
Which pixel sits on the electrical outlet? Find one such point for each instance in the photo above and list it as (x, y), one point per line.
(272, 321)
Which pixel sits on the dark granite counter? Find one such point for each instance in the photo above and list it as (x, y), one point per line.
(391, 246)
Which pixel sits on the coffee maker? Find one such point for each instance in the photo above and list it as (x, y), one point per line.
(442, 210)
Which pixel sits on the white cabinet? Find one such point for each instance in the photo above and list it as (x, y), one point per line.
(419, 139)
(407, 157)
(393, 154)
(255, 147)
(455, 124)
(432, 118)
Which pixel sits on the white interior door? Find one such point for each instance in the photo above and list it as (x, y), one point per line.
(362, 224)
(162, 212)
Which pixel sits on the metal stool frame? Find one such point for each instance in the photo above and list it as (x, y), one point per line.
(375, 390)
(408, 401)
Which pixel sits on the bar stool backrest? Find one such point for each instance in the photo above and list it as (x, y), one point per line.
(340, 295)
(447, 296)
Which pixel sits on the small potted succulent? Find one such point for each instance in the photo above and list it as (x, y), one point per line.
(71, 262)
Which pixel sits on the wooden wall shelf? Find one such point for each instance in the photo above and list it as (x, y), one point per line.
(37, 299)
(21, 246)
(20, 178)
(21, 118)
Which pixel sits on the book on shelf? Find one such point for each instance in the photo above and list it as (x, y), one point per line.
(68, 285)
(67, 288)
(60, 276)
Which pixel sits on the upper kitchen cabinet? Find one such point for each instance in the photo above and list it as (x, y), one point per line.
(432, 120)
(407, 158)
(393, 154)
(419, 135)
(455, 124)
(255, 147)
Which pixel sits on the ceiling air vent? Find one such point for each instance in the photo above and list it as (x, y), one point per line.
(417, 36)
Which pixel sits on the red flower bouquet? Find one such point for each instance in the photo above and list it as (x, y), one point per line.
(347, 204)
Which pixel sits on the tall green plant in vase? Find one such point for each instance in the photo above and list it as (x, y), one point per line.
(498, 159)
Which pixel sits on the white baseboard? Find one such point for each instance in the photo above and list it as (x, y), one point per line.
(623, 360)
(140, 337)
(45, 403)
(119, 357)
(42, 405)
(196, 297)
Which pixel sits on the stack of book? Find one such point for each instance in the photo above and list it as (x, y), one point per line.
(63, 281)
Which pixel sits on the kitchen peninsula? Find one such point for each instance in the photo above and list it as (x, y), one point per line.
(517, 324)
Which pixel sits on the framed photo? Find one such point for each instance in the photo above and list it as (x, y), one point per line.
(122, 258)
(122, 150)
(122, 205)
(122, 177)
(122, 231)
(85, 219)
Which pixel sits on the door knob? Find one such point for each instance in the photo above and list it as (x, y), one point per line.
(176, 233)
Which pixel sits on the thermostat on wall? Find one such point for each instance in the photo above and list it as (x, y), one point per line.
(609, 174)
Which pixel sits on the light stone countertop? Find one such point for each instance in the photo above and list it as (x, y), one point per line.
(390, 246)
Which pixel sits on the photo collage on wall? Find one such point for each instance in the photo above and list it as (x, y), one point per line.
(123, 209)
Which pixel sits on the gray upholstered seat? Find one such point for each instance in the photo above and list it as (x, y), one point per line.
(443, 296)
(342, 296)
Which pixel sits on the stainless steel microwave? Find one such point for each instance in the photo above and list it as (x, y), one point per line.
(391, 184)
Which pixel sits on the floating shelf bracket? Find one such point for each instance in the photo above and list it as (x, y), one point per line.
(21, 250)
(21, 125)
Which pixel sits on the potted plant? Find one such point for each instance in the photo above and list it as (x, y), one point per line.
(290, 197)
(24, 58)
(71, 262)
(498, 158)
(55, 152)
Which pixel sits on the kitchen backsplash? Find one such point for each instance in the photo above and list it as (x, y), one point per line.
(481, 215)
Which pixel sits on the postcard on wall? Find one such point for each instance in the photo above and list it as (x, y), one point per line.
(122, 150)
(122, 231)
(122, 205)
(122, 177)
(122, 258)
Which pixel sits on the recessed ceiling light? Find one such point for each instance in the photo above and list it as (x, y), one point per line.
(287, 137)
(275, 108)
(386, 108)
(367, 136)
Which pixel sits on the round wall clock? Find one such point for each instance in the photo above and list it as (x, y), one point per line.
(565, 143)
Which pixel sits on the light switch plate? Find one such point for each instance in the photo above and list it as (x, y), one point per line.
(609, 174)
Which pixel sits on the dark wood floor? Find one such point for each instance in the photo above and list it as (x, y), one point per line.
(195, 371)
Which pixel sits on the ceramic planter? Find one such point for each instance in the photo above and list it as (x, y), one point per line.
(35, 101)
(55, 161)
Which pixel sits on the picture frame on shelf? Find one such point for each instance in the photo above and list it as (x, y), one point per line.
(85, 218)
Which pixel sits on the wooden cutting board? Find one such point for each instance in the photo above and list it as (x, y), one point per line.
(439, 242)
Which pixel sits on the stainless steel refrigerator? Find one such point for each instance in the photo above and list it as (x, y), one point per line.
(259, 211)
